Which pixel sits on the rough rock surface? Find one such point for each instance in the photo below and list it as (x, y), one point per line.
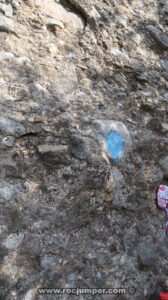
(71, 216)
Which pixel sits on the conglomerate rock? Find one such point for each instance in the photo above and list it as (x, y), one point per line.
(83, 147)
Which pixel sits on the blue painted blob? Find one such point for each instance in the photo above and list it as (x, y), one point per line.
(114, 143)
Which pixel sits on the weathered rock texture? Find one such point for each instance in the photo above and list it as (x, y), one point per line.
(70, 216)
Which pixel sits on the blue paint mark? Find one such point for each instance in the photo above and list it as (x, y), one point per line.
(114, 143)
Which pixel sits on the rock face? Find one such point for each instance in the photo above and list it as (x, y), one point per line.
(83, 147)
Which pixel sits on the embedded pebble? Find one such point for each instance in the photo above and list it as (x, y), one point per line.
(114, 137)
(9, 192)
(8, 141)
(10, 126)
(13, 241)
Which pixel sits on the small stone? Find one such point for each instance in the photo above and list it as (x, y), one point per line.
(114, 137)
(8, 141)
(160, 37)
(165, 127)
(165, 96)
(6, 25)
(67, 172)
(30, 294)
(122, 19)
(79, 147)
(164, 64)
(94, 14)
(85, 148)
(47, 262)
(86, 83)
(13, 241)
(137, 38)
(10, 126)
(53, 50)
(71, 281)
(72, 22)
(6, 9)
(120, 54)
(65, 83)
(54, 22)
(6, 55)
(52, 154)
(15, 4)
(9, 191)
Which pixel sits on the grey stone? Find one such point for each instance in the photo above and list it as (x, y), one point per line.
(94, 14)
(8, 141)
(103, 127)
(71, 281)
(6, 55)
(164, 64)
(30, 294)
(6, 9)
(159, 36)
(165, 96)
(65, 83)
(7, 25)
(122, 19)
(52, 154)
(55, 22)
(15, 4)
(9, 191)
(120, 54)
(67, 172)
(12, 127)
(86, 83)
(47, 262)
(73, 22)
(13, 241)
(79, 147)
(85, 148)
